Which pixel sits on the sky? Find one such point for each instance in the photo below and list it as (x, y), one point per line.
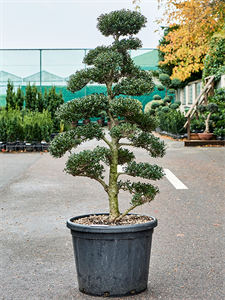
(42, 24)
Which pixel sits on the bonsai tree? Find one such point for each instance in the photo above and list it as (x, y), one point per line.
(168, 84)
(113, 66)
(210, 109)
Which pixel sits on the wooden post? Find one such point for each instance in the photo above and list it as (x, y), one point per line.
(189, 128)
(212, 88)
(205, 98)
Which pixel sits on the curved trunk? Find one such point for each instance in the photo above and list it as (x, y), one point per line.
(207, 123)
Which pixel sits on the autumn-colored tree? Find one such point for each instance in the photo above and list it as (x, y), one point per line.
(165, 68)
(188, 45)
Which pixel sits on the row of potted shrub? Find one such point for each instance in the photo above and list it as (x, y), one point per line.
(23, 146)
(23, 127)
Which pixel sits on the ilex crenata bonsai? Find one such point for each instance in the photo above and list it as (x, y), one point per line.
(204, 109)
(112, 65)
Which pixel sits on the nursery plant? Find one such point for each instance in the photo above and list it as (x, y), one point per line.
(206, 111)
(19, 125)
(112, 65)
(168, 84)
(171, 120)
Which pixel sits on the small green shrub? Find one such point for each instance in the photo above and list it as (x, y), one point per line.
(178, 102)
(165, 109)
(167, 99)
(172, 91)
(16, 124)
(172, 121)
(155, 105)
(197, 125)
(174, 106)
(160, 87)
(157, 97)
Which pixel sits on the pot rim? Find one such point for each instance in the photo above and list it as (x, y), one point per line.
(108, 228)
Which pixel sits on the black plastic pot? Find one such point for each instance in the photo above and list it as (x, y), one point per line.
(20, 146)
(112, 260)
(38, 147)
(29, 147)
(10, 146)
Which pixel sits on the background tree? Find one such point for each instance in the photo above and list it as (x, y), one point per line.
(214, 62)
(189, 44)
(30, 98)
(33, 98)
(52, 101)
(10, 96)
(112, 65)
(19, 98)
(166, 68)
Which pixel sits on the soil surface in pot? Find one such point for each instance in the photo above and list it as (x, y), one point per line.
(104, 220)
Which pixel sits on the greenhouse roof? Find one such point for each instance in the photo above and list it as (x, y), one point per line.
(5, 76)
(45, 76)
(147, 61)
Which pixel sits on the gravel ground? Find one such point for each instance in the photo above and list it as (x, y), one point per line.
(36, 247)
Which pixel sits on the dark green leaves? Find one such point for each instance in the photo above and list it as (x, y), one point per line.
(123, 107)
(134, 87)
(108, 62)
(144, 170)
(125, 156)
(145, 122)
(212, 107)
(149, 142)
(143, 192)
(63, 142)
(92, 54)
(138, 83)
(123, 130)
(121, 23)
(127, 44)
(202, 108)
(78, 80)
(83, 108)
(86, 163)
(70, 139)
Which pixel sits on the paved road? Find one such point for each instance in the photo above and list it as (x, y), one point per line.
(36, 249)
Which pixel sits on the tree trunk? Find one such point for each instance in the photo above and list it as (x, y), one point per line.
(207, 123)
(113, 189)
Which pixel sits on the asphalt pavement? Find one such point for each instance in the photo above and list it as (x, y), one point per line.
(37, 198)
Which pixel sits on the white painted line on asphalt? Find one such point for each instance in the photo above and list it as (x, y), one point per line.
(174, 180)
